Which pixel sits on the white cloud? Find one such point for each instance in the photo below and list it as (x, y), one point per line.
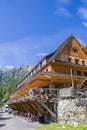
(85, 24)
(0, 66)
(62, 12)
(24, 51)
(41, 54)
(9, 67)
(62, 9)
(83, 12)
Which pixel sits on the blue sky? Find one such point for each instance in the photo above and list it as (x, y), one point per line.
(30, 29)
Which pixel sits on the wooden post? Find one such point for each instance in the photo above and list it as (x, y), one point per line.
(51, 87)
(46, 107)
(72, 78)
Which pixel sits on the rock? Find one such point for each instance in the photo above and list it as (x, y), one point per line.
(70, 113)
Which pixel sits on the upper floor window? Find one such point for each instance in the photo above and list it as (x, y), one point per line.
(85, 73)
(31, 74)
(83, 62)
(46, 69)
(76, 61)
(43, 62)
(39, 66)
(34, 70)
(75, 49)
(78, 72)
(69, 59)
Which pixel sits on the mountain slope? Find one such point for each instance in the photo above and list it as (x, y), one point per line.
(9, 79)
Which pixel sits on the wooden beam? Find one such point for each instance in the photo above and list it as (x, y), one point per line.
(46, 107)
(40, 109)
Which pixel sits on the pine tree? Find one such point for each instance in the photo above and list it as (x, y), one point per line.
(85, 47)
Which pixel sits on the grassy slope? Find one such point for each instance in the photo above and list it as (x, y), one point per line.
(56, 126)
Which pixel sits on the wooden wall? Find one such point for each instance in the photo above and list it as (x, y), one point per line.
(68, 51)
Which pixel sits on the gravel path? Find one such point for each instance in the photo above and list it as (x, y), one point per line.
(10, 122)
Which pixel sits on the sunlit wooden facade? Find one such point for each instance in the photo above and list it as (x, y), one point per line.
(66, 67)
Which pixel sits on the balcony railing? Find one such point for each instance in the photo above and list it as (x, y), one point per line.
(45, 94)
(37, 94)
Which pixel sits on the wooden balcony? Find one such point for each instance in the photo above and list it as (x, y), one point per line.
(45, 94)
(40, 94)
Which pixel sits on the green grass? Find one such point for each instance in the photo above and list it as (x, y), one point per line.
(56, 126)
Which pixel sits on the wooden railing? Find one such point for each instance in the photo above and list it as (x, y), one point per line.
(37, 94)
(81, 99)
(45, 94)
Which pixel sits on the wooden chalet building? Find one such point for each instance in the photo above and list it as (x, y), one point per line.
(58, 75)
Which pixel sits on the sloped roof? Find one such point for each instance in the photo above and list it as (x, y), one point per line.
(55, 52)
(52, 55)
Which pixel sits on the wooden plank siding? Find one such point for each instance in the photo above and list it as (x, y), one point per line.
(68, 50)
(65, 68)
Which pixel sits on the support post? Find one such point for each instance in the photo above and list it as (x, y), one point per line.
(72, 78)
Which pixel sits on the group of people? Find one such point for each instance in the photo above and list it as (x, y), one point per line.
(30, 117)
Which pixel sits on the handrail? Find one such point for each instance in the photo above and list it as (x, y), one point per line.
(35, 93)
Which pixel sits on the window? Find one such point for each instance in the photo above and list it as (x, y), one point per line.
(69, 59)
(34, 70)
(31, 74)
(46, 69)
(83, 62)
(39, 66)
(43, 62)
(85, 73)
(78, 72)
(76, 61)
(74, 49)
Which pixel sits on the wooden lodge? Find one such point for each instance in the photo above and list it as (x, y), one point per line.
(58, 75)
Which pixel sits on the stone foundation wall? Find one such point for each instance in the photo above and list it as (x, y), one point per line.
(70, 113)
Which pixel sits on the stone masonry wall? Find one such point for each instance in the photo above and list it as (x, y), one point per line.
(70, 113)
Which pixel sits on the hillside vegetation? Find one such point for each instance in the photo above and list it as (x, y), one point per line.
(10, 78)
(56, 126)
